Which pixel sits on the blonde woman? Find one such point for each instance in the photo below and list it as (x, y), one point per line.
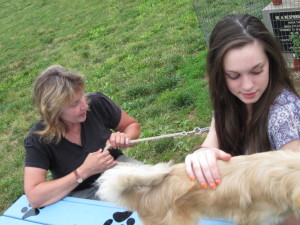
(69, 138)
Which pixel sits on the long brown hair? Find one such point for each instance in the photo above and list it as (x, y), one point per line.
(234, 135)
(55, 88)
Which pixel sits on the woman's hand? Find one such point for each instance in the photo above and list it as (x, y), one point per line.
(96, 162)
(119, 140)
(127, 129)
(202, 164)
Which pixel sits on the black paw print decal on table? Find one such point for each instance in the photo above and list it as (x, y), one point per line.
(30, 212)
(120, 217)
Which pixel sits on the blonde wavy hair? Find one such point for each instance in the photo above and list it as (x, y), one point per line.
(55, 88)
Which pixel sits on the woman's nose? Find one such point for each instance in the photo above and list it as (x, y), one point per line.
(247, 82)
(83, 105)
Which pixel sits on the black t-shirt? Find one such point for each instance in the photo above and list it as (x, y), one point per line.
(64, 157)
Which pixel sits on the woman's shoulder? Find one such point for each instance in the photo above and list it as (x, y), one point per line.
(286, 100)
(101, 100)
(285, 110)
(286, 97)
(38, 126)
(102, 108)
(100, 103)
(32, 135)
(97, 95)
(284, 119)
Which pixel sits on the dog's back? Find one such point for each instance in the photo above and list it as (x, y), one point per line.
(258, 189)
(255, 189)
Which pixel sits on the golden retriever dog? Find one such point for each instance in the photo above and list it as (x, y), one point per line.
(258, 189)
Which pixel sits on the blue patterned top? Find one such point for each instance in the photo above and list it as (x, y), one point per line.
(284, 119)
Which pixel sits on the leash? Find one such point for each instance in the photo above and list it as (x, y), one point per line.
(197, 130)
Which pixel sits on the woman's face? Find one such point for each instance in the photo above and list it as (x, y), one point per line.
(76, 111)
(246, 72)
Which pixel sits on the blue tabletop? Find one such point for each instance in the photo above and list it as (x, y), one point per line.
(71, 211)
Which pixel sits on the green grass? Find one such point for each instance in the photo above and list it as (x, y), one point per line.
(148, 56)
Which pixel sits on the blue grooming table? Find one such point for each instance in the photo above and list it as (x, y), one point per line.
(75, 211)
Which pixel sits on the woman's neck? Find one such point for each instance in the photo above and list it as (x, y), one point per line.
(73, 133)
(249, 111)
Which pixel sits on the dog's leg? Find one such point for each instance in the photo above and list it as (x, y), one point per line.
(262, 213)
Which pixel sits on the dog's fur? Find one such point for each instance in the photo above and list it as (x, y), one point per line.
(258, 189)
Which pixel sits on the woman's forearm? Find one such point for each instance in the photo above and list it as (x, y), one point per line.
(48, 192)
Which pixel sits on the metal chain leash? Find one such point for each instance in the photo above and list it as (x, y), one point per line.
(197, 130)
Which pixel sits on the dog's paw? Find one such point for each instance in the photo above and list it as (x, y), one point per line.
(108, 222)
(29, 212)
(121, 217)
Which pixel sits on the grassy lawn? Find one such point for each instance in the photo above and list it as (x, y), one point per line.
(148, 56)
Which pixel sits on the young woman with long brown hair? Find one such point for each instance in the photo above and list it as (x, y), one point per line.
(255, 105)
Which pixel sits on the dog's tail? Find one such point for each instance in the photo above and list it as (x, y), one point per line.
(128, 180)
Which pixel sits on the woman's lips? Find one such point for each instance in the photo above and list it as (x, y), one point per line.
(83, 114)
(249, 95)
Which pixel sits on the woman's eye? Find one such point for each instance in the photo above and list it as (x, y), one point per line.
(256, 72)
(74, 104)
(233, 76)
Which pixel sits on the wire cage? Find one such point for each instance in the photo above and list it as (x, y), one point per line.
(282, 17)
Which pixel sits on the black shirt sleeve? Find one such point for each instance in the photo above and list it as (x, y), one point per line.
(37, 154)
(104, 107)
